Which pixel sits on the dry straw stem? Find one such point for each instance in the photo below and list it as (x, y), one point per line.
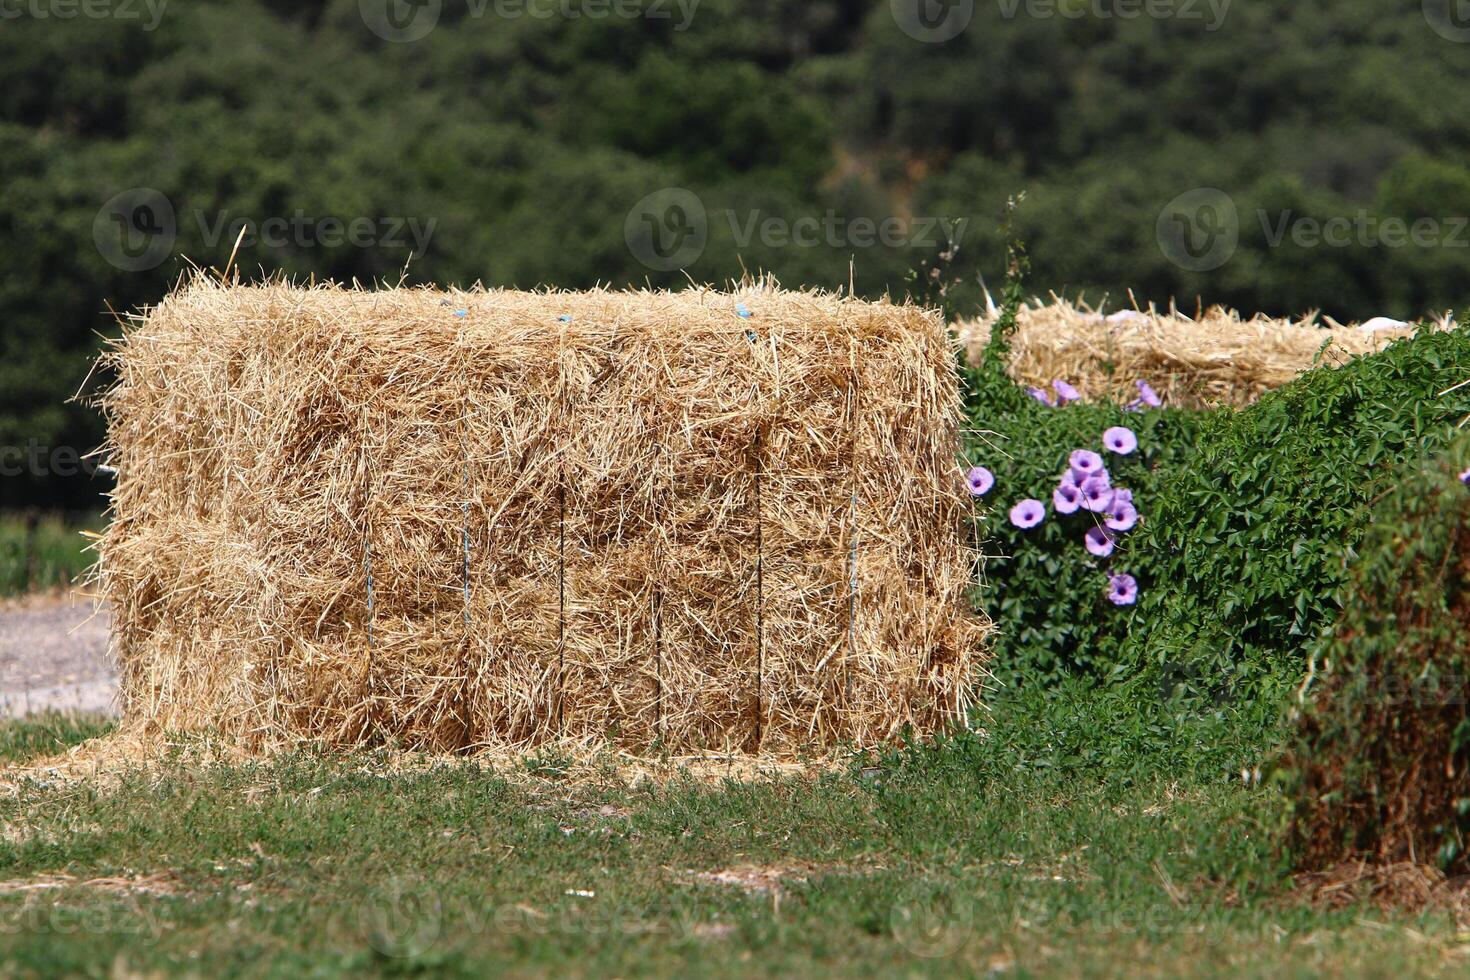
(1216, 358)
(473, 519)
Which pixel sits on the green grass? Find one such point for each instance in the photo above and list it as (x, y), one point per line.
(983, 854)
(47, 734)
(59, 553)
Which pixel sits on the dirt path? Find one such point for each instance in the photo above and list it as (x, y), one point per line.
(53, 654)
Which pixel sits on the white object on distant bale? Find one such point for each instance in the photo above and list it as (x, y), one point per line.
(1126, 316)
(1382, 323)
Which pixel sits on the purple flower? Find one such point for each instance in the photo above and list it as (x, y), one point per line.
(980, 480)
(1126, 496)
(1121, 440)
(1066, 498)
(1136, 405)
(1147, 395)
(1065, 392)
(1122, 590)
(1121, 516)
(1040, 396)
(1097, 496)
(1027, 514)
(1465, 477)
(1099, 541)
(1084, 463)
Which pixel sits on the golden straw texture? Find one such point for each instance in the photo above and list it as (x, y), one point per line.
(458, 520)
(1217, 358)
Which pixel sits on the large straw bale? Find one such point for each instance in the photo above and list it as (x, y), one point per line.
(489, 518)
(1215, 358)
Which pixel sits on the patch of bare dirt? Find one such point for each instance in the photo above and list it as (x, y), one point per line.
(156, 884)
(53, 656)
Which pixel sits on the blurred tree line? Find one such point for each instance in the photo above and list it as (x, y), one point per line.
(522, 143)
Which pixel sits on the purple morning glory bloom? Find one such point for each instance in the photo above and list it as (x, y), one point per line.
(1465, 477)
(1122, 590)
(1122, 516)
(1084, 463)
(1121, 440)
(1147, 395)
(1040, 396)
(980, 480)
(1067, 498)
(1099, 541)
(1027, 514)
(1126, 496)
(1097, 496)
(1065, 392)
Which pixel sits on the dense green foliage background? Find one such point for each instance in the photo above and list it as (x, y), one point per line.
(527, 141)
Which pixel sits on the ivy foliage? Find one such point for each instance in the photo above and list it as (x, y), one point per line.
(1249, 544)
